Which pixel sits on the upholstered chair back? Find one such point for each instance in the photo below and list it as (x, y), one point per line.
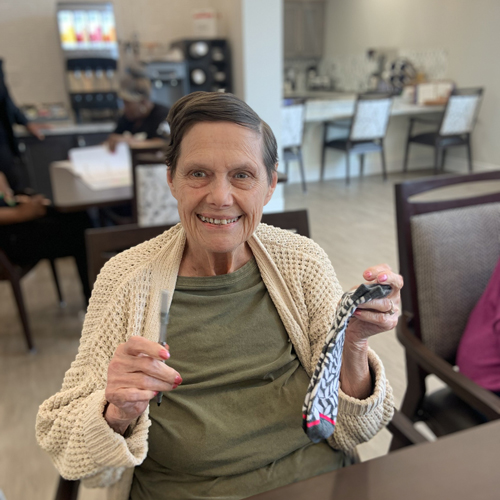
(155, 203)
(455, 252)
(370, 119)
(460, 114)
(292, 125)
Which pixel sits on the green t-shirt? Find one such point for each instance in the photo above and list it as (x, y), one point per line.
(233, 428)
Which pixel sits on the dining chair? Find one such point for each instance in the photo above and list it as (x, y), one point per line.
(454, 127)
(14, 273)
(126, 213)
(152, 203)
(366, 131)
(105, 242)
(292, 132)
(448, 249)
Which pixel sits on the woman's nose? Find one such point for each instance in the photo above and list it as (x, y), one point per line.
(220, 193)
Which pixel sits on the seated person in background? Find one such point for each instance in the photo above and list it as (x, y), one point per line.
(30, 231)
(141, 119)
(478, 355)
(251, 308)
(10, 114)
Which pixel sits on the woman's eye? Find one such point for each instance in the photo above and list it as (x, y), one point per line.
(198, 174)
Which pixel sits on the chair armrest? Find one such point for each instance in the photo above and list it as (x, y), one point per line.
(401, 427)
(479, 398)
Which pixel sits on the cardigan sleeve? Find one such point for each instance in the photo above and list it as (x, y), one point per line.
(70, 425)
(360, 419)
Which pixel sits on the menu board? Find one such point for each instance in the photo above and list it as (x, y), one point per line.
(88, 27)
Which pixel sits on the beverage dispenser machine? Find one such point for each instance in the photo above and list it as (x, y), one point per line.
(88, 39)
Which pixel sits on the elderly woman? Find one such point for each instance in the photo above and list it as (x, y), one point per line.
(251, 307)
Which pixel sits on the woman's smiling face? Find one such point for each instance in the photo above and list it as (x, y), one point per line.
(221, 186)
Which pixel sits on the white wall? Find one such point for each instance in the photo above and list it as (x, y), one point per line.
(262, 72)
(263, 59)
(467, 29)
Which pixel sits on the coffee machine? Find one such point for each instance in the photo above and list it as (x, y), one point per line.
(90, 49)
(169, 81)
(208, 64)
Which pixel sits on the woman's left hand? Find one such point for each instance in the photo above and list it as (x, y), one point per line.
(380, 315)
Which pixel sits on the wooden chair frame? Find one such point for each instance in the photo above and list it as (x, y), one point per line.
(420, 360)
(14, 274)
(101, 241)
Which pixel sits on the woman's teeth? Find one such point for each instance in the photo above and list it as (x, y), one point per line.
(217, 221)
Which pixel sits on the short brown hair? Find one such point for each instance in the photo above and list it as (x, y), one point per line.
(217, 107)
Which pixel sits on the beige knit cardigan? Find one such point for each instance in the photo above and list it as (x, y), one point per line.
(126, 298)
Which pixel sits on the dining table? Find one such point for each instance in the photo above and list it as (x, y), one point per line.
(460, 466)
(70, 193)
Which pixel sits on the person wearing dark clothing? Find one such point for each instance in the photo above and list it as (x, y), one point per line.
(31, 231)
(10, 114)
(148, 125)
(141, 119)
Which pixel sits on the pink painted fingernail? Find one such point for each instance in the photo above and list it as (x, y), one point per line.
(175, 386)
(156, 393)
(383, 277)
(357, 313)
(368, 274)
(164, 354)
(178, 380)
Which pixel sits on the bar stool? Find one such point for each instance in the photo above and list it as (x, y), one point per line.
(292, 131)
(367, 131)
(455, 128)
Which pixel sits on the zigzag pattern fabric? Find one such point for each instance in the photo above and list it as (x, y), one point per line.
(322, 399)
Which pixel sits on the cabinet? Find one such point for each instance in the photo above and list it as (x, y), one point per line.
(303, 29)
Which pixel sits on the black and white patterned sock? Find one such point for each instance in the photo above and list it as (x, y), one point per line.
(322, 399)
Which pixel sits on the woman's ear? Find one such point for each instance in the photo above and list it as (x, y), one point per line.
(170, 181)
(272, 186)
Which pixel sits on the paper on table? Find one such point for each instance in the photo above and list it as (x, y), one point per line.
(426, 92)
(101, 169)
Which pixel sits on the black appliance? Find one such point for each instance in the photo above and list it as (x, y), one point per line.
(209, 64)
(99, 95)
(169, 81)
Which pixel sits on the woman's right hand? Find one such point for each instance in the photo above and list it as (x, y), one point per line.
(31, 207)
(136, 373)
(113, 140)
(5, 189)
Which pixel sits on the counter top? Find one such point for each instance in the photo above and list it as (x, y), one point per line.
(319, 94)
(319, 110)
(70, 128)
